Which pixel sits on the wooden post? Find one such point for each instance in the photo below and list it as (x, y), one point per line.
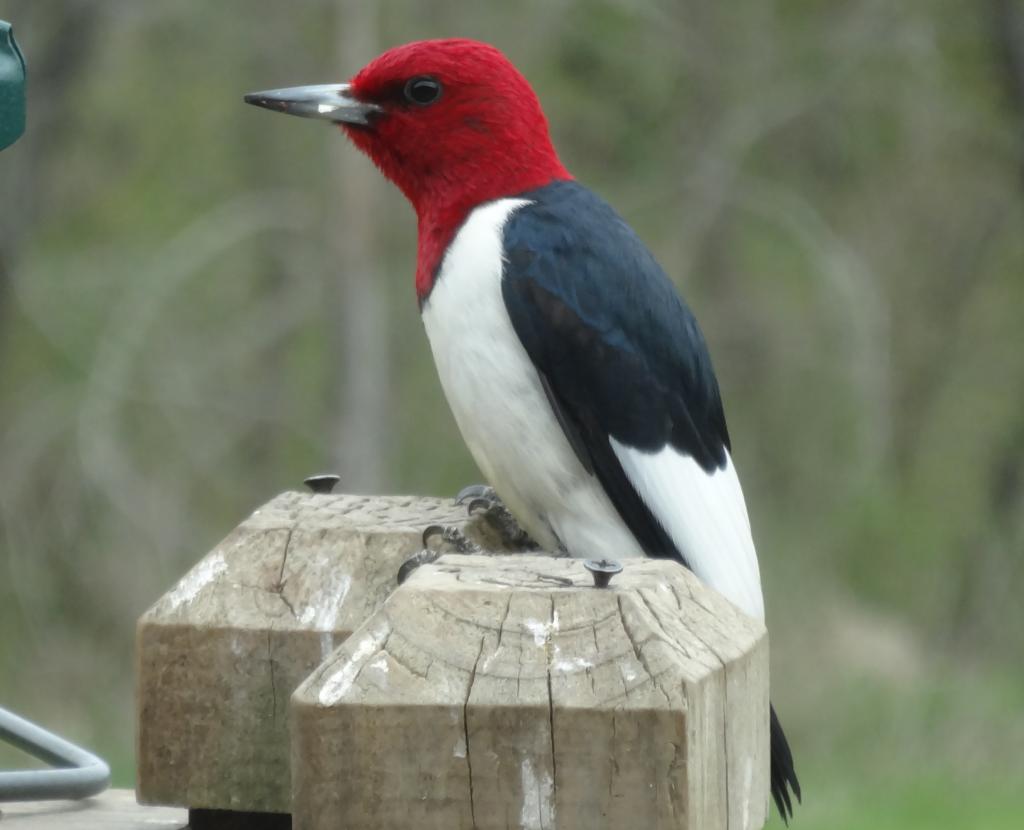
(219, 655)
(112, 810)
(507, 691)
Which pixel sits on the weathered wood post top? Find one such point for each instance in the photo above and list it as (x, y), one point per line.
(221, 652)
(500, 690)
(508, 691)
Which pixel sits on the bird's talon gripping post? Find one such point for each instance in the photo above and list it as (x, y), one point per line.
(475, 492)
(448, 540)
(500, 518)
(430, 533)
(423, 557)
(487, 504)
(459, 541)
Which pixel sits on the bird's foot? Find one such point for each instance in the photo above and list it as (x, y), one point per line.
(437, 541)
(483, 501)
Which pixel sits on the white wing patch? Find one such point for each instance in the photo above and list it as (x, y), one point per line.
(704, 515)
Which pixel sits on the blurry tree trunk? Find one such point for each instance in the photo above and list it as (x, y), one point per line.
(990, 562)
(53, 65)
(361, 363)
(990, 565)
(1008, 35)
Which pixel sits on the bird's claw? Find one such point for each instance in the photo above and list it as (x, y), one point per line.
(485, 503)
(438, 537)
(437, 541)
(423, 557)
(475, 492)
(479, 505)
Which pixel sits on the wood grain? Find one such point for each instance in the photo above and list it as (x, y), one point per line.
(506, 691)
(220, 653)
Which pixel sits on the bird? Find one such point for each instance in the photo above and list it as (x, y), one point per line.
(578, 376)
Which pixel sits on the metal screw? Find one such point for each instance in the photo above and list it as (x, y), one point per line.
(602, 570)
(323, 483)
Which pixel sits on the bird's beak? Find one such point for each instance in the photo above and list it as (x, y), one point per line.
(331, 102)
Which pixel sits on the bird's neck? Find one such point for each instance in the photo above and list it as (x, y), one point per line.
(441, 212)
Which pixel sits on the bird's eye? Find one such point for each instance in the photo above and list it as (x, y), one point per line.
(422, 91)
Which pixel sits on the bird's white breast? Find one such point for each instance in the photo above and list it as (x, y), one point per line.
(498, 402)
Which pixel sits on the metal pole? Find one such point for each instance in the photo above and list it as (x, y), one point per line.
(79, 773)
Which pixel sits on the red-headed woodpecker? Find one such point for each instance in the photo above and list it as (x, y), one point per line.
(578, 376)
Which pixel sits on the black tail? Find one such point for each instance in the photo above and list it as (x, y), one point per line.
(783, 774)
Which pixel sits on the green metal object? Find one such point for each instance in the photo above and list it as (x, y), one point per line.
(12, 87)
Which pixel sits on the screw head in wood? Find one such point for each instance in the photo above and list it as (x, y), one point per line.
(322, 483)
(602, 570)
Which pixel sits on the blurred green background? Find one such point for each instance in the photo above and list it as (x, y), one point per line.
(201, 303)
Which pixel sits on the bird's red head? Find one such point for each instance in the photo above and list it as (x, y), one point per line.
(451, 122)
(456, 120)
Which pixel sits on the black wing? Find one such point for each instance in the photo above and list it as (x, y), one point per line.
(619, 353)
(619, 356)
